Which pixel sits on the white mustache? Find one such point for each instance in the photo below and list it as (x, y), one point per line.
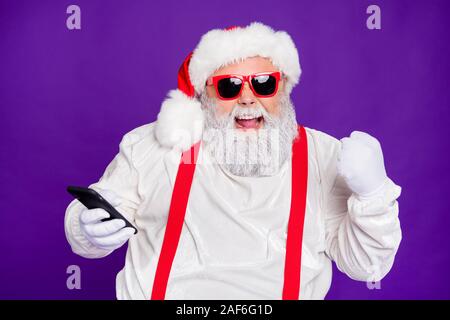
(247, 113)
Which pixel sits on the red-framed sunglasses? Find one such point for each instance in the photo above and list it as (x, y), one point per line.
(229, 86)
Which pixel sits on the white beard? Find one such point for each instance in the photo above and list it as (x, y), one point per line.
(252, 152)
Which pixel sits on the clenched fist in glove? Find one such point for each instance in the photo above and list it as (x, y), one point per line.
(108, 235)
(361, 164)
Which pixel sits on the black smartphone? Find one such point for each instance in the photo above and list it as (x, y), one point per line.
(91, 199)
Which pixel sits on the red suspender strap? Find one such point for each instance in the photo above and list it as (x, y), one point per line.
(291, 288)
(178, 204)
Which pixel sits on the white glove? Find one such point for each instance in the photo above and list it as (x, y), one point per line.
(108, 235)
(361, 164)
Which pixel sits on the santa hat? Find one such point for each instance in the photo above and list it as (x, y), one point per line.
(180, 120)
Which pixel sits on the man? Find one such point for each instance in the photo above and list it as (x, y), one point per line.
(232, 198)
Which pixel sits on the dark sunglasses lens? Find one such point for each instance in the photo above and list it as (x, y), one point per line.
(229, 87)
(264, 85)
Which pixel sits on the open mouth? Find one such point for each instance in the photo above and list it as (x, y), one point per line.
(248, 122)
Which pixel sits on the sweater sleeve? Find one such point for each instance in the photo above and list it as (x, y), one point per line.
(362, 234)
(121, 177)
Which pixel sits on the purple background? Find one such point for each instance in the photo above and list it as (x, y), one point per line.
(67, 98)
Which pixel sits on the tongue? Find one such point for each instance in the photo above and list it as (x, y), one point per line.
(247, 123)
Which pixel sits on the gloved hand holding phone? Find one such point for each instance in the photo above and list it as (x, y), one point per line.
(110, 234)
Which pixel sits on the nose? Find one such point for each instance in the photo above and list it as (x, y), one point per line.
(247, 98)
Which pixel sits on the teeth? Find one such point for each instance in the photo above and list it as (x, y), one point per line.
(247, 117)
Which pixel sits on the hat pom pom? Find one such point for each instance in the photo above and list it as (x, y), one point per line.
(180, 121)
